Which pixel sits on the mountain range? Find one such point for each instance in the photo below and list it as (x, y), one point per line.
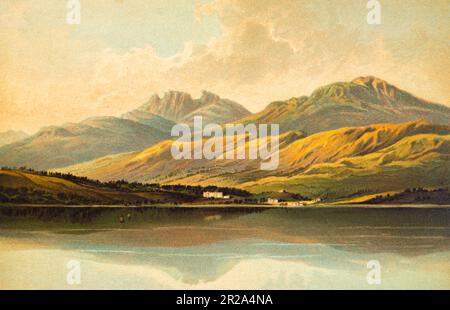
(60, 146)
(363, 101)
(347, 138)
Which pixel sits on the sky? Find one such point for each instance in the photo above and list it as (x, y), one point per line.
(250, 51)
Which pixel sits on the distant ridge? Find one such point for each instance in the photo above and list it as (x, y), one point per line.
(363, 101)
(59, 146)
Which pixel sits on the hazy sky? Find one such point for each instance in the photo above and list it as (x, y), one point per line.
(251, 51)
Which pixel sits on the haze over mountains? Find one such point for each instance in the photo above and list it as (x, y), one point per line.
(11, 136)
(60, 146)
(362, 102)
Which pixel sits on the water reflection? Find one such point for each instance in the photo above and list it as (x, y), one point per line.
(239, 248)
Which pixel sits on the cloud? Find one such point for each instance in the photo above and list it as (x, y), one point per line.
(277, 49)
(268, 50)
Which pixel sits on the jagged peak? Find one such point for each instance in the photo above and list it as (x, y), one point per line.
(154, 97)
(206, 96)
(209, 97)
(170, 95)
(176, 95)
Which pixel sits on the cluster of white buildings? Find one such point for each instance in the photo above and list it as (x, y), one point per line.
(275, 201)
(270, 201)
(215, 195)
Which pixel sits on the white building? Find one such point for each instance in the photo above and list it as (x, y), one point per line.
(273, 201)
(295, 203)
(215, 195)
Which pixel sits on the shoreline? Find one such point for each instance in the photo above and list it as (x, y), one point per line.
(231, 206)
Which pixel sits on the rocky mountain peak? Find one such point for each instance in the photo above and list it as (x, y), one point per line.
(208, 98)
(378, 85)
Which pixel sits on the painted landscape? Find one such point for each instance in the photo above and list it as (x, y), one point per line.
(363, 162)
(351, 157)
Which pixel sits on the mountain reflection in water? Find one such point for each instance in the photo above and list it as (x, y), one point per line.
(319, 247)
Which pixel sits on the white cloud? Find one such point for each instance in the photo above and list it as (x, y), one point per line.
(268, 50)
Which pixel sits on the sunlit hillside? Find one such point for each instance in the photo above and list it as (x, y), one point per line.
(337, 163)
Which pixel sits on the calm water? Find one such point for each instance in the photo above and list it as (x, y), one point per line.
(161, 248)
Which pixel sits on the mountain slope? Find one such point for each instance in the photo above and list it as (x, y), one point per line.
(150, 119)
(389, 155)
(180, 107)
(11, 136)
(59, 146)
(364, 101)
(155, 164)
(418, 161)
